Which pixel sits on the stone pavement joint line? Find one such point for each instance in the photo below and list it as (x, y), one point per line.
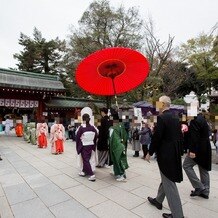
(34, 183)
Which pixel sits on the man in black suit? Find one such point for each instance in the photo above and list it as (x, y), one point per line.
(102, 144)
(199, 154)
(167, 144)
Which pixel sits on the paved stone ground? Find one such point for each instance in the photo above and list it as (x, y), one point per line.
(214, 156)
(35, 183)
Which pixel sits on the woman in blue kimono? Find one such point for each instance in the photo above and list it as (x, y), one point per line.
(86, 138)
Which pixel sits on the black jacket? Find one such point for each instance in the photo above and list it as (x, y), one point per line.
(102, 144)
(167, 143)
(199, 141)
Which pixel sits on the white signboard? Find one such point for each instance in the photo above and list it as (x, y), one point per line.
(2, 102)
(31, 104)
(27, 104)
(19, 103)
(36, 103)
(137, 112)
(7, 102)
(12, 104)
(22, 103)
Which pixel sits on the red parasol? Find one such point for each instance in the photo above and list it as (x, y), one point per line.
(112, 71)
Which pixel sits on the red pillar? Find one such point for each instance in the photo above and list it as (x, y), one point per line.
(40, 110)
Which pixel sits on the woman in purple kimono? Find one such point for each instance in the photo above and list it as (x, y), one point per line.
(86, 138)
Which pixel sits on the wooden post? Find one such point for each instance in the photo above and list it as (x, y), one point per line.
(40, 110)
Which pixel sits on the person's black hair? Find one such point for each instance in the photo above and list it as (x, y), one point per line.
(114, 114)
(86, 118)
(105, 110)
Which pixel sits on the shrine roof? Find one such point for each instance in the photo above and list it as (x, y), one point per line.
(28, 80)
(66, 102)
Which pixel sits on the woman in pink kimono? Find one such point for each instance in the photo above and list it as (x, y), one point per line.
(41, 133)
(57, 138)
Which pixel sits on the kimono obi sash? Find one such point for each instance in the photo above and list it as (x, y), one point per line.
(87, 138)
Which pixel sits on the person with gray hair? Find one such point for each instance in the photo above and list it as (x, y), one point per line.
(165, 100)
(167, 144)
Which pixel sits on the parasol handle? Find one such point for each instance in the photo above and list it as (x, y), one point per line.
(116, 102)
(115, 94)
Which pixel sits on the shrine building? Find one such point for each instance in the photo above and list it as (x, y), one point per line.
(37, 95)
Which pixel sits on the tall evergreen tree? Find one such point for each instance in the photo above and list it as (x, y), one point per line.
(39, 55)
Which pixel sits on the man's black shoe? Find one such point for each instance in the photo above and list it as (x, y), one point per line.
(154, 202)
(98, 166)
(0, 158)
(204, 196)
(167, 215)
(197, 192)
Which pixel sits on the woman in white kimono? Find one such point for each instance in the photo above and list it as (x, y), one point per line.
(86, 138)
(57, 138)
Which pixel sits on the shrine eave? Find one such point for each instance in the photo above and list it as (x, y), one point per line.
(35, 88)
(72, 103)
(31, 81)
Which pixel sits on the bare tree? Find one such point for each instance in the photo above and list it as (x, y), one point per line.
(158, 53)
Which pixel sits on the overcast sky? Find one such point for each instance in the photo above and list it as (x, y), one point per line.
(183, 19)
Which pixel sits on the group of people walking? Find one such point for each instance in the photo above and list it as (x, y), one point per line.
(57, 137)
(141, 138)
(167, 143)
(109, 141)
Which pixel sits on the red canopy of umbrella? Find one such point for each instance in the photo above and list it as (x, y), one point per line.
(112, 71)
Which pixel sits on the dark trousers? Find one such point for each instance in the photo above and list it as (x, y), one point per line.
(169, 190)
(145, 150)
(70, 132)
(136, 154)
(203, 182)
